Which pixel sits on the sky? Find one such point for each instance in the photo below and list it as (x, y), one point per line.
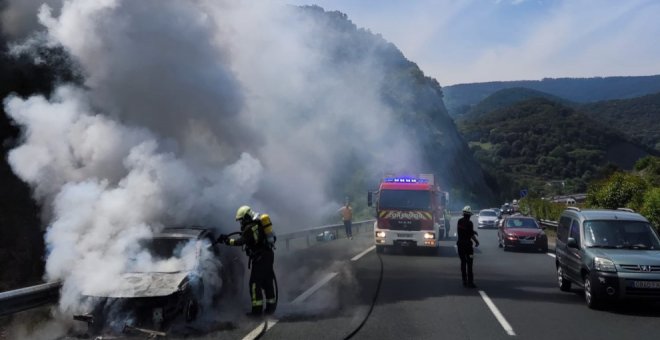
(464, 41)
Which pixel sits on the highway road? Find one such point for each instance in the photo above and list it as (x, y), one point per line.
(422, 297)
(326, 292)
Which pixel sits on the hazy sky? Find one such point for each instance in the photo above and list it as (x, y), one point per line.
(459, 41)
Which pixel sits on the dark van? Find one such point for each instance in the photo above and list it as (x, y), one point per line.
(611, 254)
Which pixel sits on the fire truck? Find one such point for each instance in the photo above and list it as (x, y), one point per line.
(410, 212)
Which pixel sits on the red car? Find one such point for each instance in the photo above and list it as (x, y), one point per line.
(521, 232)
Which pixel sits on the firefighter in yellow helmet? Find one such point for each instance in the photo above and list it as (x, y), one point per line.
(258, 240)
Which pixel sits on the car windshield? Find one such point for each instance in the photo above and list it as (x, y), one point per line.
(526, 223)
(620, 234)
(165, 254)
(405, 199)
(487, 213)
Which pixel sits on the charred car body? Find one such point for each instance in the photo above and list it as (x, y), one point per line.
(192, 274)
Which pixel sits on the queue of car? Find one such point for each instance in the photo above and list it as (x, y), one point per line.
(611, 255)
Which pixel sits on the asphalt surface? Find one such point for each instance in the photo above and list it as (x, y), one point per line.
(326, 292)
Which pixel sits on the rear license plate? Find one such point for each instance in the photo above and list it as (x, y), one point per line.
(526, 241)
(404, 235)
(647, 284)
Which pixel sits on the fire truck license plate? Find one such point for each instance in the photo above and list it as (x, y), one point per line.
(404, 235)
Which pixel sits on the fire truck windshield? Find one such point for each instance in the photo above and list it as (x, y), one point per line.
(405, 199)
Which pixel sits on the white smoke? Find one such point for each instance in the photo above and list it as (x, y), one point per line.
(190, 109)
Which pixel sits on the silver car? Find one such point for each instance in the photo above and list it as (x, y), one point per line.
(487, 218)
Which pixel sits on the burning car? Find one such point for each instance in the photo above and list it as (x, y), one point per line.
(184, 274)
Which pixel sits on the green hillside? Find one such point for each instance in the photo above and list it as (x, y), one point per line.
(545, 147)
(507, 97)
(637, 118)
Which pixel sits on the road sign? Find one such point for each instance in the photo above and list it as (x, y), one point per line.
(523, 193)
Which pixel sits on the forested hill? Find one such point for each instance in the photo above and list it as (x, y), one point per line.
(538, 143)
(460, 98)
(637, 118)
(504, 98)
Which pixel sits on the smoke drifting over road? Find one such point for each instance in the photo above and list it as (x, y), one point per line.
(188, 110)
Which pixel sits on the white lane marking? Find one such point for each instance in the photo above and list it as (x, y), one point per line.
(314, 288)
(358, 256)
(255, 332)
(551, 255)
(271, 322)
(505, 324)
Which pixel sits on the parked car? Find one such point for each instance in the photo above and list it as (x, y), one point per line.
(185, 271)
(519, 231)
(610, 254)
(487, 218)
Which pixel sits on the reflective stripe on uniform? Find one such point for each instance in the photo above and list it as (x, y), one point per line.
(271, 301)
(255, 301)
(231, 241)
(255, 233)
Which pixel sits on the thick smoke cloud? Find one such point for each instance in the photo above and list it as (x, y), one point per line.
(18, 19)
(188, 110)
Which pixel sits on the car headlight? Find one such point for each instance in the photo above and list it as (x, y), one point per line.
(380, 234)
(604, 265)
(511, 236)
(429, 236)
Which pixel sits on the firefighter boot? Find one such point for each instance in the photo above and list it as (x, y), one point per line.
(270, 308)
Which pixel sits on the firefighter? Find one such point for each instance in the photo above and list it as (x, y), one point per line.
(258, 240)
(466, 235)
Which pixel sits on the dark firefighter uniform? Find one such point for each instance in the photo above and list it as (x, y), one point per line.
(466, 234)
(258, 240)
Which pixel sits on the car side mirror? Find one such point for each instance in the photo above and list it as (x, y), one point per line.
(370, 198)
(572, 243)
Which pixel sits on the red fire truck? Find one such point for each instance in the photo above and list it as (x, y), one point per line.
(410, 212)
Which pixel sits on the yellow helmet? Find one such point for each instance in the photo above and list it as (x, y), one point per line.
(242, 212)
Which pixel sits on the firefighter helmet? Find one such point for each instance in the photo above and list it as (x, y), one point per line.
(243, 212)
(467, 210)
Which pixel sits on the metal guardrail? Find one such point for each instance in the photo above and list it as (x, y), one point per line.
(18, 300)
(548, 223)
(311, 233)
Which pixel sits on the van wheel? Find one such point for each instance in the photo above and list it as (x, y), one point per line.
(564, 283)
(593, 300)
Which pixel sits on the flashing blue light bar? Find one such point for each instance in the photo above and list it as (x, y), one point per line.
(405, 180)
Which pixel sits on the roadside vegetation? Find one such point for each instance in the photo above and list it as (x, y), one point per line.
(638, 190)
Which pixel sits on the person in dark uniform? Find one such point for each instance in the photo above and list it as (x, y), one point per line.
(466, 235)
(259, 239)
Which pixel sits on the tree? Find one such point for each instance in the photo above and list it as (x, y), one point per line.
(651, 207)
(619, 190)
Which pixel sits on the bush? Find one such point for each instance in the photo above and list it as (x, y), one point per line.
(541, 209)
(619, 190)
(651, 207)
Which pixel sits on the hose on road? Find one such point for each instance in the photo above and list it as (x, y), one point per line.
(373, 301)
